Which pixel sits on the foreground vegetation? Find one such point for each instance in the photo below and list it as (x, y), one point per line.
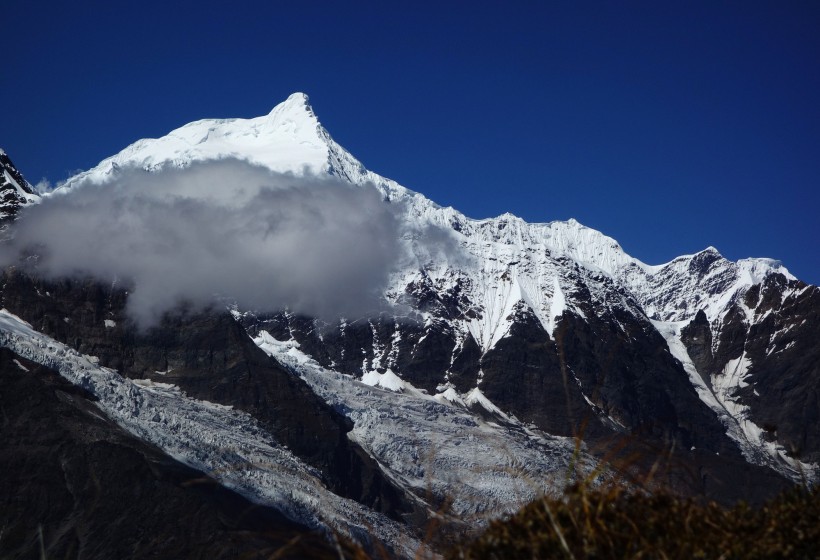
(613, 523)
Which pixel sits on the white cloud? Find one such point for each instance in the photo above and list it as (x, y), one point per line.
(318, 246)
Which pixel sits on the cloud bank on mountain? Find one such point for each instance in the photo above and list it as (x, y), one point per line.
(214, 231)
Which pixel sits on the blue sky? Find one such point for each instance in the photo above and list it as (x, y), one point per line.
(669, 126)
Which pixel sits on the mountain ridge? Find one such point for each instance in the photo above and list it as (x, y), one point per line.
(15, 191)
(501, 265)
(515, 337)
(295, 121)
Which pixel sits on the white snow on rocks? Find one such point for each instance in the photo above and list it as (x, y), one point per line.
(720, 395)
(21, 192)
(433, 445)
(286, 140)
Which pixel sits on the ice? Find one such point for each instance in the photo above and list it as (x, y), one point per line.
(226, 444)
(434, 445)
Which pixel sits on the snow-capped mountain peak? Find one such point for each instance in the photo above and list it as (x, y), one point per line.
(294, 118)
(289, 139)
(295, 104)
(705, 281)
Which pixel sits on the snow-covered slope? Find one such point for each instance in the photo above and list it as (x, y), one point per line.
(706, 281)
(289, 139)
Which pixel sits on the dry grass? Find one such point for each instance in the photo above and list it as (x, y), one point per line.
(613, 523)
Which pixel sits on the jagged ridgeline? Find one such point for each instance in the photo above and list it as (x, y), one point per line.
(502, 360)
(15, 191)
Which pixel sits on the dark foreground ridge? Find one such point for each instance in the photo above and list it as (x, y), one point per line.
(75, 485)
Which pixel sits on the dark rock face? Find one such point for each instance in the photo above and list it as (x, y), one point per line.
(778, 342)
(642, 410)
(464, 371)
(785, 398)
(11, 199)
(526, 374)
(697, 336)
(210, 357)
(421, 352)
(633, 379)
(75, 485)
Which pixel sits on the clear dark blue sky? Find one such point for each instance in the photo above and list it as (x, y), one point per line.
(669, 126)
